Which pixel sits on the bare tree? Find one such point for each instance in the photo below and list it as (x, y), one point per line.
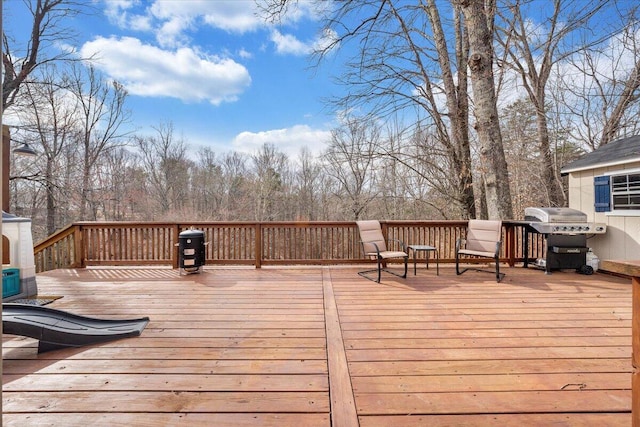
(534, 52)
(47, 30)
(116, 178)
(600, 87)
(207, 185)
(236, 199)
(456, 92)
(392, 174)
(270, 168)
(479, 23)
(405, 61)
(433, 174)
(48, 122)
(166, 166)
(520, 134)
(409, 64)
(350, 160)
(308, 184)
(102, 115)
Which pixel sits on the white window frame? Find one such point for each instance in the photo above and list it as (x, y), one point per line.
(621, 212)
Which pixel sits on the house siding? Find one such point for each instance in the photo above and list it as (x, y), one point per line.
(622, 240)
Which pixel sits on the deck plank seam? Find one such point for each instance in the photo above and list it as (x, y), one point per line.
(341, 395)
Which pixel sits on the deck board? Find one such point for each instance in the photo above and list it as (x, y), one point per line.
(321, 346)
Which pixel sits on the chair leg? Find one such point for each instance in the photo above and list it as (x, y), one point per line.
(405, 267)
(499, 276)
(368, 274)
(381, 266)
(458, 272)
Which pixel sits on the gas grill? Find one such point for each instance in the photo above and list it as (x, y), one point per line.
(561, 221)
(565, 231)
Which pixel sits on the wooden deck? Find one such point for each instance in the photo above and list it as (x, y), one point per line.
(321, 346)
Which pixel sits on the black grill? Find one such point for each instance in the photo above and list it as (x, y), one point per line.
(191, 247)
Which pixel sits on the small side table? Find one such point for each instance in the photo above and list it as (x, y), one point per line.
(427, 249)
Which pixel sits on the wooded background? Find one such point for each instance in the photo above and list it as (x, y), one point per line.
(465, 108)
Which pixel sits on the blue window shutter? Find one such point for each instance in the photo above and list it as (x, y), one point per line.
(602, 193)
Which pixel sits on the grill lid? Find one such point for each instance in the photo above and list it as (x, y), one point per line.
(554, 215)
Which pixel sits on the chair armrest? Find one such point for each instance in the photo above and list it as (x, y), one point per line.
(498, 245)
(404, 247)
(362, 242)
(460, 242)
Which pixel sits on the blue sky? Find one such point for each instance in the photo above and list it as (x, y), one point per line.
(228, 79)
(225, 78)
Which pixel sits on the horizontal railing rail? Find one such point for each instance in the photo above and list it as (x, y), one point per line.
(254, 243)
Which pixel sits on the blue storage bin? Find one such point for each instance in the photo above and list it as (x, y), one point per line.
(10, 282)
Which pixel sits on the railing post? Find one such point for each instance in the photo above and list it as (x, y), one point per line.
(175, 252)
(635, 355)
(511, 244)
(631, 269)
(79, 250)
(258, 244)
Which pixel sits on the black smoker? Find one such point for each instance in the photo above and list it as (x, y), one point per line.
(565, 232)
(191, 250)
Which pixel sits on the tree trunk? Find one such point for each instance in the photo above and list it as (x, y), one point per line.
(84, 192)
(457, 104)
(493, 163)
(555, 196)
(51, 199)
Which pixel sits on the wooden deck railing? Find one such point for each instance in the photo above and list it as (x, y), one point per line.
(252, 243)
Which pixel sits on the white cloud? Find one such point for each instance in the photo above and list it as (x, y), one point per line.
(117, 11)
(329, 37)
(289, 140)
(233, 15)
(172, 21)
(245, 54)
(287, 43)
(140, 23)
(290, 44)
(184, 74)
(299, 10)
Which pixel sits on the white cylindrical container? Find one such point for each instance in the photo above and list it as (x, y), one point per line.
(592, 260)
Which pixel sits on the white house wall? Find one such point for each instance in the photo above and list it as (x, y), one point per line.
(622, 240)
(18, 232)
